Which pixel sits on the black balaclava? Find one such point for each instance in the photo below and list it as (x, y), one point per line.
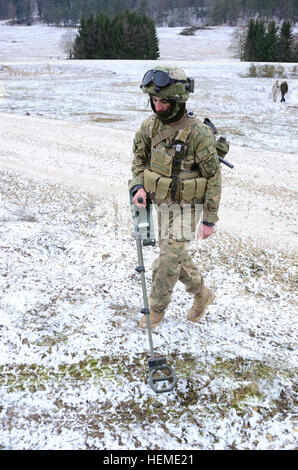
(173, 114)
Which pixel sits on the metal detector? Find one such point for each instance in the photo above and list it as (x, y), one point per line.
(159, 371)
(162, 378)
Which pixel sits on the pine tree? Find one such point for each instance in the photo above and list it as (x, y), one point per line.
(250, 41)
(127, 36)
(271, 43)
(130, 28)
(152, 38)
(104, 41)
(285, 42)
(117, 37)
(140, 38)
(81, 41)
(91, 38)
(260, 44)
(255, 44)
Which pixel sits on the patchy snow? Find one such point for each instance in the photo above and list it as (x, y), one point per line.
(73, 363)
(19, 43)
(106, 91)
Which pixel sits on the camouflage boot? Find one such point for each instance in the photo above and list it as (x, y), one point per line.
(155, 319)
(201, 301)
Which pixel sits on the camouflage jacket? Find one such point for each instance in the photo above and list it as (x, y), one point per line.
(199, 162)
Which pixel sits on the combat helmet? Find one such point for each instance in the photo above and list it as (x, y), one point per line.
(169, 83)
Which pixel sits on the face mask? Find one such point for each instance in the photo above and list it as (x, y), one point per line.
(174, 113)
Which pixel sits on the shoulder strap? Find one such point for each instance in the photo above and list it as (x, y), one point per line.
(154, 127)
(162, 135)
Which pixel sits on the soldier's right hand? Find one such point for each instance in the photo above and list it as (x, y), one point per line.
(205, 231)
(141, 193)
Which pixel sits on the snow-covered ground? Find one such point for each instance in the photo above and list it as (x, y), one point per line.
(107, 91)
(73, 363)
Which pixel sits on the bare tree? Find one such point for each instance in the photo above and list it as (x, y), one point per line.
(238, 42)
(67, 42)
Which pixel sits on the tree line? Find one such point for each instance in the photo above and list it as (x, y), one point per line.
(125, 36)
(269, 43)
(229, 11)
(64, 12)
(171, 12)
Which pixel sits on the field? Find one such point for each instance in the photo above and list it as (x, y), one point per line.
(73, 363)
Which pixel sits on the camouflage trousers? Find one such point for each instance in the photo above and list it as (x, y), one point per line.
(174, 262)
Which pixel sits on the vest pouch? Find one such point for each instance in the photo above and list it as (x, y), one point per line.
(193, 188)
(163, 187)
(150, 181)
(162, 160)
(200, 187)
(188, 190)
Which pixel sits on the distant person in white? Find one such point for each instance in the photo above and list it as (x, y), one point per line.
(275, 91)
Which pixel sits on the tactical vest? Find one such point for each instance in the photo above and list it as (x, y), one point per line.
(163, 179)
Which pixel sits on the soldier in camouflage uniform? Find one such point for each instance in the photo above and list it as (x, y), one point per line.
(175, 164)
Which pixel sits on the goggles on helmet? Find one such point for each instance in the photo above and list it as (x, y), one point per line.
(160, 79)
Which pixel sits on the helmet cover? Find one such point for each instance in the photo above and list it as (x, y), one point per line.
(178, 90)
